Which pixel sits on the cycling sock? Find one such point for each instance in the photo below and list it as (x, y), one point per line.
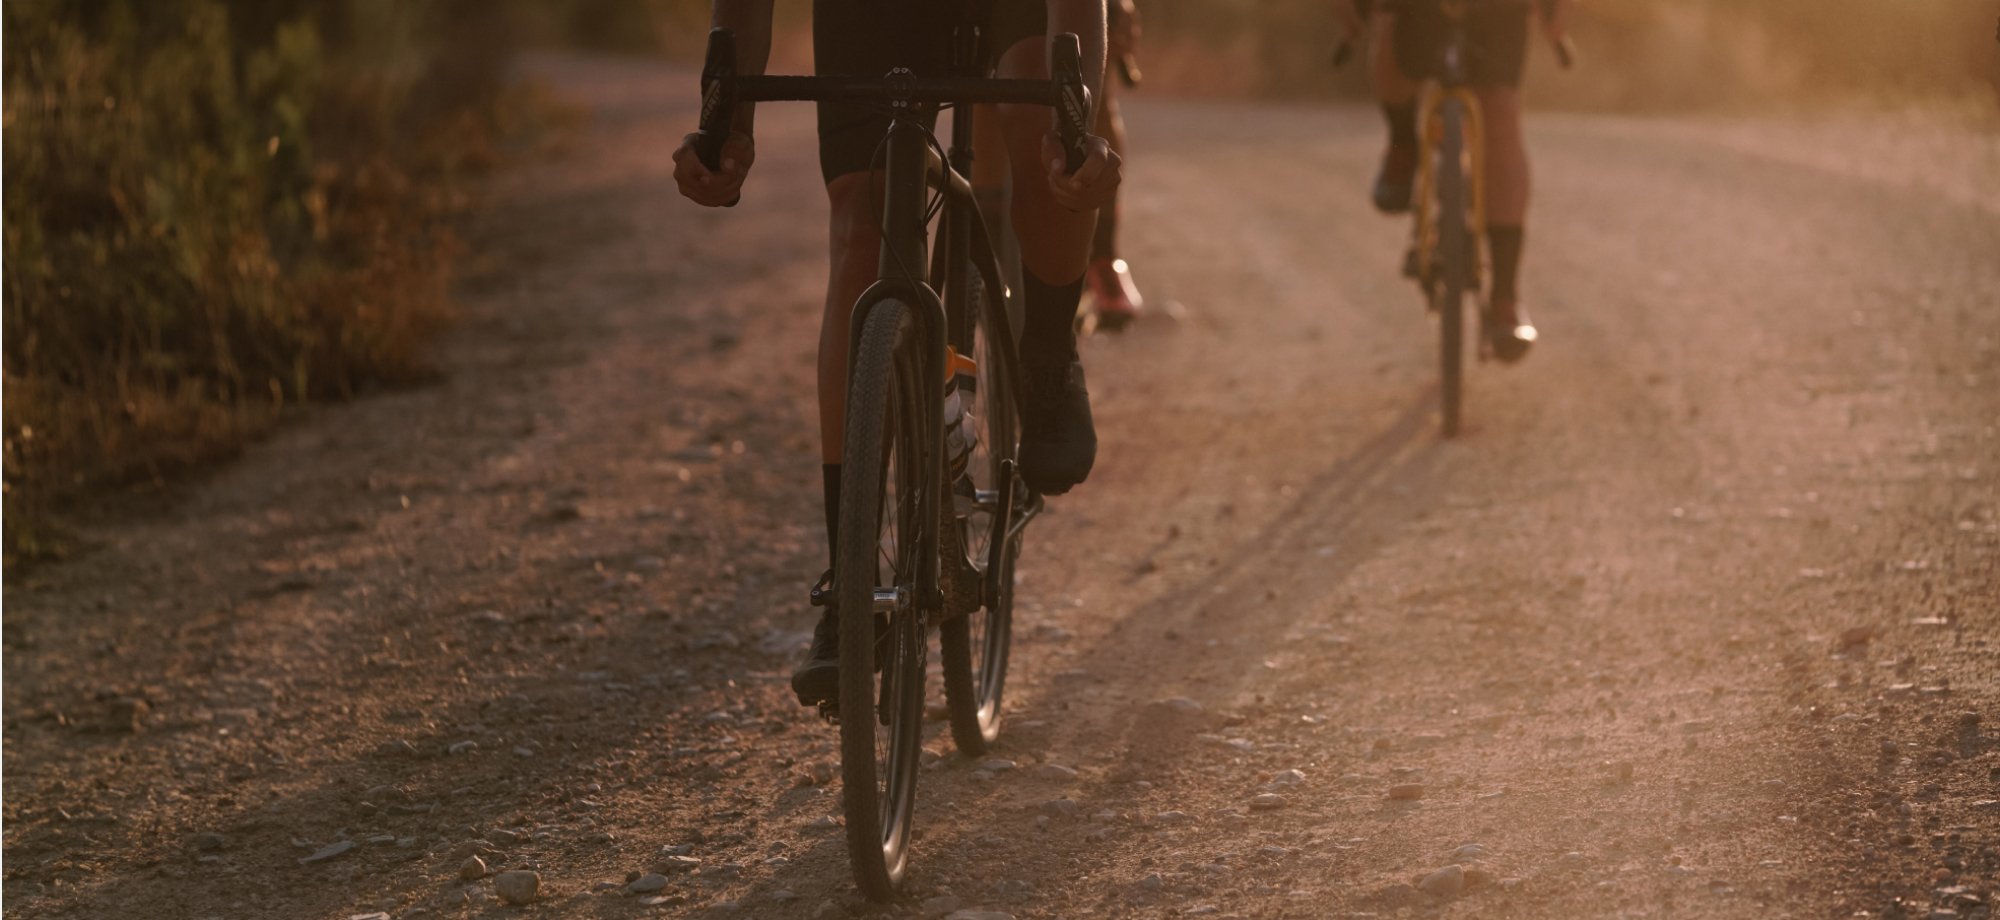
(830, 475)
(1504, 240)
(1048, 331)
(1402, 118)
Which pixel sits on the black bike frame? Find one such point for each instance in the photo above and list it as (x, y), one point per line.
(912, 170)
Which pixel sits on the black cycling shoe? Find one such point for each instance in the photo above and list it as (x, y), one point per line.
(1393, 180)
(1509, 332)
(817, 680)
(1058, 439)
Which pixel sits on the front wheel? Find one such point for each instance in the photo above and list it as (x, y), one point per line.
(883, 545)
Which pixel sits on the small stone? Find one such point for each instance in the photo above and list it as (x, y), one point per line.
(1406, 792)
(1060, 808)
(1012, 890)
(1288, 778)
(1446, 883)
(519, 886)
(209, 842)
(1857, 636)
(1152, 882)
(1470, 851)
(784, 896)
(997, 765)
(1055, 772)
(1269, 801)
(647, 884)
(822, 823)
(462, 747)
(472, 869)
(398, 748)
(940, 905)
(680, 863)
(329, 851)
(828, 910)
(1179, 704)
(1170, 817)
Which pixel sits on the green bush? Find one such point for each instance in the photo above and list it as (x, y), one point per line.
(215, 210)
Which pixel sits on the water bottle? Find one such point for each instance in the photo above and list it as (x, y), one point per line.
(961, 430)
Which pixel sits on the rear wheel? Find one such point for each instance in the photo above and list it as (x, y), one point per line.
(882, 549)
(1453, 267)
(974, 646)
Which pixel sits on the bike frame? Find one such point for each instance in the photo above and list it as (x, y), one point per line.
(912, 171)
(1443, 100)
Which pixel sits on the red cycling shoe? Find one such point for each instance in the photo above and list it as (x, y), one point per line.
(1113, 296)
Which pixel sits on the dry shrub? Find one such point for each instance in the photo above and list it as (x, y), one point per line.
(214, 211)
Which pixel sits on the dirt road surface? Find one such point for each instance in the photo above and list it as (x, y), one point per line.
(1697, 619)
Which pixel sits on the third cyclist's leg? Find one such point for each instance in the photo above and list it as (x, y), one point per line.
(1503, 38)
(1507, 183)
(1396, 91)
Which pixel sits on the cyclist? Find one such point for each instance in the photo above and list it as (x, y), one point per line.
(1112, 294)
(1053, 210)
(1407, 39)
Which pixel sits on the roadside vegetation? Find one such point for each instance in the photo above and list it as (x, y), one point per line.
(216, 211)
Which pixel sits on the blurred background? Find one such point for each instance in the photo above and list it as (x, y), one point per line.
(217, 211)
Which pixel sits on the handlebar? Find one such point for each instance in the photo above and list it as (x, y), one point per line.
(722, 88)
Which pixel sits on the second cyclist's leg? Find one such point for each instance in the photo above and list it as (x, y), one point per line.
(1116, 297)
(1396, 91)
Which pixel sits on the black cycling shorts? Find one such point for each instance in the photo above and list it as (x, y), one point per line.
(1497, 39)
(871, 37)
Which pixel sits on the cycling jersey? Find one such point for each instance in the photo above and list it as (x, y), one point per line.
(1496, 33)
(872, 37)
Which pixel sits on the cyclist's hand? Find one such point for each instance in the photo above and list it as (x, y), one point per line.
(1093, 185)
(721, 187)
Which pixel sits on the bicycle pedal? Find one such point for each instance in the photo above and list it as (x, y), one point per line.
(829, 712)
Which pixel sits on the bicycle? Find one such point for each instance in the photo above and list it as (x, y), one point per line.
(918, 548)
(1449, 197)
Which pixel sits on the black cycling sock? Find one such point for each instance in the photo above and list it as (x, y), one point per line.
(1048, 331)
(1402, 118)
(830, 474)
(1504, 240)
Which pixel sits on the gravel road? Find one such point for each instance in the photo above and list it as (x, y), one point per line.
(1696, 619)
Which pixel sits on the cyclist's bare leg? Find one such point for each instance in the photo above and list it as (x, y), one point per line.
(1111, 127)
(1506, 156)
(1112, 291)
(854, 246)
(1397, 94)
(1391, 85)
(1059, 443)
